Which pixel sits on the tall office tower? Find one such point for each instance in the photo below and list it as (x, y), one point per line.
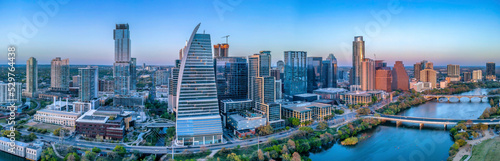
(31, 77)
(453, 70)
(161, 77)
(428, 65)
(276, 74)
(231, 74)
(383, 79)
(89, 84)
(259, 65)
(429, 75)
(133, 74)
(198, 120)
(358, 55)
(329, 72)
(467, 76)
(490, 71)
(477, 75)
(277, 89)
(172, 89)
(400, 79)
(263, 89)
(314, 73)
(121, 67)
(281, 66)
(416, 71)
(367, 74)
(295, 73)
(59, 74)
(221, 50)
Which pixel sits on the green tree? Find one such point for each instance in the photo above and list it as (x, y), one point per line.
(72, 157)
(233, 157)
(120, 150)
(294, 121)
(322, 125)
(96, 150)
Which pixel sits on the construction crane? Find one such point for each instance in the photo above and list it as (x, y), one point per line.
(225, 37)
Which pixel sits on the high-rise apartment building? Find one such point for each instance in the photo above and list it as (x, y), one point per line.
(161, 77)
(263, 89)
(59, 74)
(31, 77)
(314, 73)
(416, 71)
(477, 75)
(358, 55)
(221, 50)
(198, 120)
(295, 72)
(429, 75)
(367, 74)
(400, 79)
(89, 83)
(467, 76)
(122, 65)
(453, 70)
(277, 89)
(172, 89)
(490, 71)
(276, 74)
(133, 73)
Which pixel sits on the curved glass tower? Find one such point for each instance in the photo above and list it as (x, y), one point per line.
(198, 119)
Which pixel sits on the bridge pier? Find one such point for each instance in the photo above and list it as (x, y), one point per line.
(398, 123)
(445, 126)
(421, 125)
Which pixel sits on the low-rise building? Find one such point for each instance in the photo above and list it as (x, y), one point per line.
(8, 96)
(330, 93)
(308, 111)
(21, 149)
(420, 86)
(56, 117)
(358, 97)
(233, 106)
(242, 122)
(307, 97)
(92, 124)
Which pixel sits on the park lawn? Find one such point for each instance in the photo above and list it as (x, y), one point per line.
(49, 127)
(464, 157)
(488, 150)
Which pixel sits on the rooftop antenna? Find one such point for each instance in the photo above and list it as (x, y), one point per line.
(225, 37)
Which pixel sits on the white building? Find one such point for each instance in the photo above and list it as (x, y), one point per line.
(5, 96)
(21, 149)
(477, 75)
(56, 117)
(421, 86)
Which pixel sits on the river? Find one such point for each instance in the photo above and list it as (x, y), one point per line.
(408, 142)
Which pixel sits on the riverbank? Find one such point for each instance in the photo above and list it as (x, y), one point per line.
(468, 149)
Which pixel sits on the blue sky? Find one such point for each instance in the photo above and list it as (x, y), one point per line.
(444, 32)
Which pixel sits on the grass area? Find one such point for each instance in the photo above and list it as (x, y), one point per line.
(49, 127)
(193, 156)
(488, 150)
(464, 157)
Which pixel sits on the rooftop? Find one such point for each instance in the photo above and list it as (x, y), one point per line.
(363, 93)
(330, 90)
(306, 95)
(302, 107)
(59, 112)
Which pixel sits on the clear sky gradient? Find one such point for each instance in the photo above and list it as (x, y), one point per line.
(444, 32)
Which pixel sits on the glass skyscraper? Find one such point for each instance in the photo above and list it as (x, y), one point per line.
(88, 83)
(358, 55)
(295, 72)
(232, 77)
(121, 67)
(198, 119)
(314, 73)
(31, 77)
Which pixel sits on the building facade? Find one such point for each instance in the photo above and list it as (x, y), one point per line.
(6, 93)
(56, 117)
(122, 64)
(59, 74)
(198, 120)
(383, 79)
(490, 71)
(221, 50)
(358, 55)
(429, 75)
(295, 73)
(400, 79)
(367, 75)
(31, 77)
(89, 83)
(477, 75)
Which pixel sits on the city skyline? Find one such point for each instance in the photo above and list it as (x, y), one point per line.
(435, 23)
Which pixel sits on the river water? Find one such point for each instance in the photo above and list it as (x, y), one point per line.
(408, 142)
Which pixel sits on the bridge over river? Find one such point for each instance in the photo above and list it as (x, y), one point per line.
(439, 121)
(459, 97)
